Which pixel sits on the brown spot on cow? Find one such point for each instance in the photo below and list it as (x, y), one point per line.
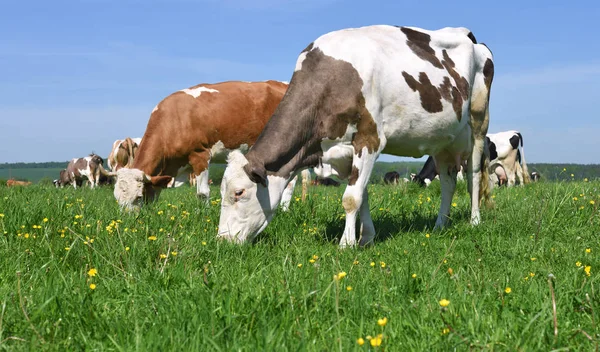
(324, 98)
(461, 82)
(488, 73)
(418, 42)
(353, 176)
(446, 89)
(431, 98)
(457, 103)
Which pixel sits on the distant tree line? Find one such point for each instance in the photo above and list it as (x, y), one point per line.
(45, 165)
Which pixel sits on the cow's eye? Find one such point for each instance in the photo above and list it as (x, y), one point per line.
(239, 193)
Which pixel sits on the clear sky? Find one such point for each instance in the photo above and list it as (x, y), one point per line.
(76, 75)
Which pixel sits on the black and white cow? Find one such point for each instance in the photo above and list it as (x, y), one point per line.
(391, 178)
(355, 94)
(427, 174)
(535, 176)
(507, 162)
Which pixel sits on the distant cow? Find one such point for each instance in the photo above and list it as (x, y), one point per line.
(89, 168)
(358, 93)
(192, 128)
(535, 176)
(320, 181)
(391, 178)
(12, 182)
(123, 153)
(427, 174)
(507, 162)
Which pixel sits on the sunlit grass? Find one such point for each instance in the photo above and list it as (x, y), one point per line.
(78, 274)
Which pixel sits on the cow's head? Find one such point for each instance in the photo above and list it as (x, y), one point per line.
(249, 199)
(134, 187)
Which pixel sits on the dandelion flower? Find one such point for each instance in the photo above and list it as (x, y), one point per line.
(533, 259)
(382, 264)
(578, 264)
(382, 321)
(532, 274)
(163, 256)
(92, 286)
(445, 331)
(444, 302)
(67, 248)
(587, 270)
(575, 198)
(427, 235)
(348, 288)
(372, 263)
(312, 261)
(45, 220)
(173, 253)
(300, 265)
(592, 202)
(355, 262)
(92, 272)
(340, 275)
(454, 204)
(126, 248)
(414, 276)
(360, 341)
(152, 238)
(508, 290)
(204, 243)
(588, 250)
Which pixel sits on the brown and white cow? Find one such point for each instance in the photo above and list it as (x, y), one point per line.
(89, 167)
(355, 94)
(192, 128)
(507, 162)
(123, 153)
(12, 183)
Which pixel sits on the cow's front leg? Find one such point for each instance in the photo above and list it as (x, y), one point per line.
(448, 183)
(352, 201)
(202, 186)
(367, 229)
(200, 162)
(288, 192)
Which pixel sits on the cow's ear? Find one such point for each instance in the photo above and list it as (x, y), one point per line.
(256, 174)
(157, 181)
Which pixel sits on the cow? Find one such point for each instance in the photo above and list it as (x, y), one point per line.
(535, 176)
(391, 178)
(12, 183)
(192, 128)
(89, 167)
(507, 162)
(355, 94)
(429, 172)
(123, 153)
(326, 181)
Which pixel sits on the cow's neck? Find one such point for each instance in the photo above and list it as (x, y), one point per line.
(152, 160)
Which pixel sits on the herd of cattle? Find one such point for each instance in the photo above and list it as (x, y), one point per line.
(354, 94)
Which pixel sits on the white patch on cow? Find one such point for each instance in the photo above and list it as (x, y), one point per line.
(299, 61)
(195, 92)
(129, 188)
(285, 82)
(218, 152)
(154, 110)
(202, 187)
(288, 192)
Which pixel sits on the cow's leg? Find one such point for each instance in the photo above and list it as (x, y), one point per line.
(305, 183)
(200, 162)
(367, 229)
(362, 166)
(288, 192)
(202, 187)
(448, 183)
(519, 174)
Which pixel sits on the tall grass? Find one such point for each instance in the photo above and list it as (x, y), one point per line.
(163, 282)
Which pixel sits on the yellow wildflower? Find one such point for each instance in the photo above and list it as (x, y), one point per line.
(355, 262)
(92, 272)
(376, 341)
(126, 248)
(26, 235)
(588, 250)
(340, 275)
(382, 264)
(450, 271)
(152, 238)
(533, 259)
(348, 288)
(575, 198)
(445, 331)
(300, 265)
(532, 274)
(587, 270)
(204, 243)
(92, 286)
(67, 248)
(454, 204)
(414, 276)
(372, 263)
(160, 212)
(444, 302)
(173, 253)
(592, 202)
(45, 220)
(360, 341)
(578, 264)
(312, 261)
(163, 256)
(427, 235)
(507, 290)
(382, 321)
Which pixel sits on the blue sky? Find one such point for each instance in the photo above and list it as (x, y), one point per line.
(75, 76)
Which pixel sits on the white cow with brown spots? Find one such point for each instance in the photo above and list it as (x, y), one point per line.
(355, 94)
(80, 169)
(192, 128)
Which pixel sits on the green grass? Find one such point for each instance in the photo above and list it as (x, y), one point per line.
(187, 291)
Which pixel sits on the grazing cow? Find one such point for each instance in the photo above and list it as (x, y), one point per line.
(357, 93)
(89, 168)
(427, 174)
(507, 162)
(325, 181)
(535, 176)
(391, 178)
(192, 128)
(12, 183)
(123, 153)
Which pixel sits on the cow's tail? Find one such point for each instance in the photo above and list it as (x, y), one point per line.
(485, 190)
(104, 172)
(526, 177)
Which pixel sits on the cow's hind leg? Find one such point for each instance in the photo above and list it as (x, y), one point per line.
(202, 186)
(367, 229)
(448, 175)
(200, 162)
(352, 201)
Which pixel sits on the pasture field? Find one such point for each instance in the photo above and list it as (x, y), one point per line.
(75, 274)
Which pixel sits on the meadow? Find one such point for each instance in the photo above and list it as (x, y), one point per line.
(78, 274)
